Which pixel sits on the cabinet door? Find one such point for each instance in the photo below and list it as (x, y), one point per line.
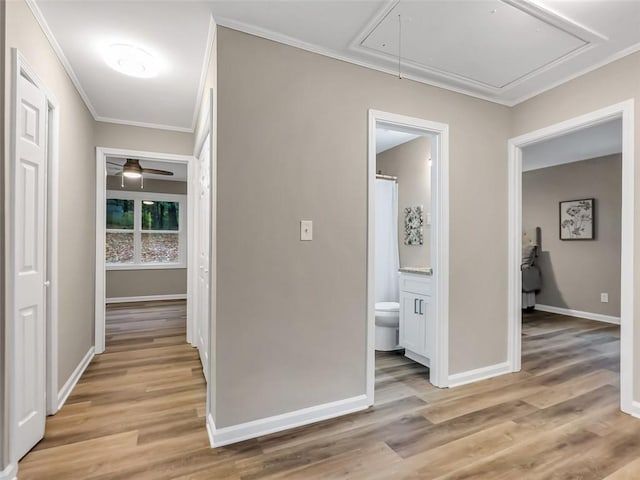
(412, 324)
(425, 309)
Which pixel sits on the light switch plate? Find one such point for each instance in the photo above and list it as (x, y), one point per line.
(306, 230)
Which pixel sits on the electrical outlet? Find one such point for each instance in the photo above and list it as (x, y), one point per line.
(306, 230)
(604, 297)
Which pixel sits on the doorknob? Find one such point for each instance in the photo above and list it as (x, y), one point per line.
(47, 283)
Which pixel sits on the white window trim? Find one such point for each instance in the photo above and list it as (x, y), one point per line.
(137, 231)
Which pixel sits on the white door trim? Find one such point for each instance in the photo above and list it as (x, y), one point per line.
(101, 195)
(21, 66)
(53, 177)
(439, 133)
(624, 110)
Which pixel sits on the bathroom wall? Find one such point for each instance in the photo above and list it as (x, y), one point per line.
(563, 263)
(410, 163)
(146, 282)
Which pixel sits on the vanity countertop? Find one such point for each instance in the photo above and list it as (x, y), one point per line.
(418, 270)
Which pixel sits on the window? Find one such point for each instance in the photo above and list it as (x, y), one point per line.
(145, 230)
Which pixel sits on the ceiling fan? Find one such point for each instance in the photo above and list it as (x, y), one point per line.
(133, 169)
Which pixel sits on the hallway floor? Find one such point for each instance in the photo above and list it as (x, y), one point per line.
(138, 413)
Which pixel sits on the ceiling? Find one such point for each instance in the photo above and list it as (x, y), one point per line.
(503, 51)
(387, 139)
(179, 169)
(174, 32)
(592, 142)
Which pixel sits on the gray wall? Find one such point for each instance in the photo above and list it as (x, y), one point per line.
(113, 135)
(77, 188)
(410, 163)
(605, 86)
(299, 307)
(576, 272)
(142, 283)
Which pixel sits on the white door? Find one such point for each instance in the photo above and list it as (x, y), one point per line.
(204, 232)
(28, 227)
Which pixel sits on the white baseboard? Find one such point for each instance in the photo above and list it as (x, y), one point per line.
(598, 317)
(9, 473)
(264, 426)
(66, 389)
(479, 374)
(147, 298)
(635, 409)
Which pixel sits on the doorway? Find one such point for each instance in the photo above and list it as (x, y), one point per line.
(624, 112)
(32, 260)
(439, 233)
(126, 244)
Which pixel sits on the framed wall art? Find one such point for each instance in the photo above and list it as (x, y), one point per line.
(577, 219)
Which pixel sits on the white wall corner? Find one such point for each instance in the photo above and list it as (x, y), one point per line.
(479, 374)
(9, 473)
(67, 388)
(264, 426)
(598, 317)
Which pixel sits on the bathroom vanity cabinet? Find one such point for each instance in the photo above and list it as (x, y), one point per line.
(416, 314)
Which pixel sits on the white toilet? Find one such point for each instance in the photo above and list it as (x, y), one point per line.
(387, 322)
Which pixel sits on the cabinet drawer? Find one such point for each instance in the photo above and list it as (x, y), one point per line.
(412, 283)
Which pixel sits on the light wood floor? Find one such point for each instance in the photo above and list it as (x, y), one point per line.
(137, 413)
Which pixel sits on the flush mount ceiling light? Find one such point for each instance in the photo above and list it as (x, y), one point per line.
(130, 60)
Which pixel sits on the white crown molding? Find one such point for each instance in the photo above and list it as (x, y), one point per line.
(71, 382)
(598, 317)
(570, 25)
(132, 123)
(478, 374)
(37, 13)
(292, 42)
(610, 59)
(205, 68)
(264, 426)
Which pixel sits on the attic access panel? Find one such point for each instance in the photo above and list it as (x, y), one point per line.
(487, 43)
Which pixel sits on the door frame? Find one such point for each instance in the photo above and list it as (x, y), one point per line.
(439, 134)
(625, 111)
(101, 195)
(21, 67)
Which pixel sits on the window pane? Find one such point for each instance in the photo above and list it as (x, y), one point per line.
(160, 215)
(120, 214)
(119, 248)
(160, 248)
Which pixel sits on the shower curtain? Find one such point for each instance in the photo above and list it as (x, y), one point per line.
(387, 260)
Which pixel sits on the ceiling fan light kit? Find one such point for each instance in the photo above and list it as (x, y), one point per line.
(133, 169)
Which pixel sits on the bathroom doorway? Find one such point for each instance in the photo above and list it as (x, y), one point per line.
(407, 278)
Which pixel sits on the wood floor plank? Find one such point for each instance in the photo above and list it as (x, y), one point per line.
(138, 413)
